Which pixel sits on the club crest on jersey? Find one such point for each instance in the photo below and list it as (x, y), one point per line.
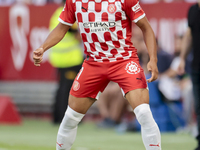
(112, 8)
(76, 86)
(132, 68)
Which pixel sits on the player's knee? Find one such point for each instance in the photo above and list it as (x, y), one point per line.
(144, 116)
(71, 119)
(68, 129)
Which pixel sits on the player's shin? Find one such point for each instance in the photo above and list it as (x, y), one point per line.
(150, 131)
(68, 129)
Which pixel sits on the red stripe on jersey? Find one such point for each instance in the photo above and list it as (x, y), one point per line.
(112, 29)
(98, 7)
(125, 54)
(87, 30)
(128, 42)
(104, 46)
(79, 17)
(92, 47)
(85, 48)
(97, 57)
(84, 37)
(119, 34)
(107, 36)
(94, 37)
(118, 16)
(91, 17)
(116, 44)
(113, 52)
(106, 60)
(102, 54)
(125, 24)
(104, 16)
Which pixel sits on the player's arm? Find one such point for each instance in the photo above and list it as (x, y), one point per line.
(55, 36)
(185, 49)
(151, 45)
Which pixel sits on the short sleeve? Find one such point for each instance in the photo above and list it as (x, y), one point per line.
(133, 10)
(67, 15)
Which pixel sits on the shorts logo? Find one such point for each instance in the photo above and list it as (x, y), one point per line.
(76, 86)
(132, 68)
(112, 8)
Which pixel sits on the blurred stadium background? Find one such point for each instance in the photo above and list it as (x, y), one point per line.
(27, 92)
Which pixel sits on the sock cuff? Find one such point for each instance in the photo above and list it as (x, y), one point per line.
(144, 116)
(73, 114)
(140, 108)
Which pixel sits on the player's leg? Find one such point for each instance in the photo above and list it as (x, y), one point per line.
(85, 90)
(139, 100)
(130, 77)
(68, 127)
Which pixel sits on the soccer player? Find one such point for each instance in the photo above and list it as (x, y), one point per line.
(105, 27)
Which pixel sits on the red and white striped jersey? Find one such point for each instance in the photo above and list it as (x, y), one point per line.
(105, 26)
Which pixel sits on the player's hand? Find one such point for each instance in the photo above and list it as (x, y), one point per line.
(152, 67)
(38, 56)
(181, 67)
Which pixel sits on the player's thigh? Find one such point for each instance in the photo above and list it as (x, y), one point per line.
(90, 81)
(137, 97)
(128, 74)
(80, 105)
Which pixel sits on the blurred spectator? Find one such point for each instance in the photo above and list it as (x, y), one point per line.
(111, 105)
(191, 42)
(170, 78)
(67, 57)
(185, 86)
(164, 60)
(178, 87)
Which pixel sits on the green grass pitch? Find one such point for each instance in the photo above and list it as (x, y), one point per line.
(36, 134)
